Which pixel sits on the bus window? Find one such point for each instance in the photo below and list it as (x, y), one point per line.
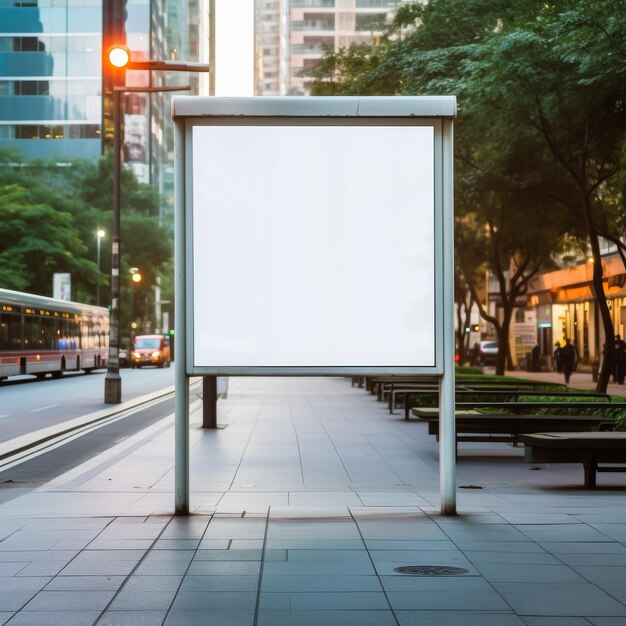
(10, 331)
(48, 333)
(31, 332)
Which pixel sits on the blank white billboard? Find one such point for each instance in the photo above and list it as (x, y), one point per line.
(313, 246)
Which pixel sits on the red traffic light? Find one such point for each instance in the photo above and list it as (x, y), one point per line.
(119, 56)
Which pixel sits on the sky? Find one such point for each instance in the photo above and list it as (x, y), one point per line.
(234, 25)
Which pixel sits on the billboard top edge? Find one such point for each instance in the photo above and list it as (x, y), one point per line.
(292, 106)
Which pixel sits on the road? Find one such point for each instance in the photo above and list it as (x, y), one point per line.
(29, 405)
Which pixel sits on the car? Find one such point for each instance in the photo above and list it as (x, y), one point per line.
(488, 352)
(150, 350)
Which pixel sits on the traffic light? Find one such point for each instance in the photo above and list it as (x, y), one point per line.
(119, 56)
(136, 277)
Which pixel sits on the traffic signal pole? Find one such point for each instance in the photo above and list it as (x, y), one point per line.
(113, 380)
(119, 57)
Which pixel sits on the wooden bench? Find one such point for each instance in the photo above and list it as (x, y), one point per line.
(376, 383)
(510, 428)
(576, 447)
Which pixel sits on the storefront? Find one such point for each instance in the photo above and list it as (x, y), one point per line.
(565, 307)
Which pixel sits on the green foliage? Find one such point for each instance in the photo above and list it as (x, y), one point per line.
(49, 216)
(37, 240)
(540, 140)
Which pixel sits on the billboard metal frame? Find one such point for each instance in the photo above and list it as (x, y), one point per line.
(436, 112)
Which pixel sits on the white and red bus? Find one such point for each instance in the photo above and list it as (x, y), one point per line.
(40, 335)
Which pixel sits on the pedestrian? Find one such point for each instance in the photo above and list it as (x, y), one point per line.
(558, 363)
(618, 360)
(568, 359)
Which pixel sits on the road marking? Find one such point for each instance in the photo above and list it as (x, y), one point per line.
(5, 415)
(43, 408)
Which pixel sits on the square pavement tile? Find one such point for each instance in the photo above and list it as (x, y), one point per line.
(132, 618)
(563, 532)
(57, 618)
(285, 617)
(176, 544)
(48, 564)
(339, 601)
(538, 558)
(85, 583)
(466, 584)
(556, 621)
(220, 583)
(14, 600)
(120, 544)
(609, 579)
(51, 601)
(318, 568)
(224, 568)
(559, 599)
(190, 528)
(449, 618)
(215, 601)
(227, 616)
(12, 568)
(138, 583)
(528, 573)
(133, 600)
(228, 555)
(584, 547)
(320, 583)
(342, 556)
(16, 583)
(447, 601)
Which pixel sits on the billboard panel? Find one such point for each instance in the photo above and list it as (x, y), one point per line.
(313, 246)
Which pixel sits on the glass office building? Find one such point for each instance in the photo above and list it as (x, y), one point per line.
(55, 101)
(50, 78)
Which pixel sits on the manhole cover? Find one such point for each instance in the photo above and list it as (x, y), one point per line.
(430, 570)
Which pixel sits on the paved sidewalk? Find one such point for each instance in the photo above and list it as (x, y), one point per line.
(304, 506)
(578, 380)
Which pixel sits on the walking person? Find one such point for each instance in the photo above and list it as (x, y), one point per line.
(558, 363)
(619, 360)
(568, 359)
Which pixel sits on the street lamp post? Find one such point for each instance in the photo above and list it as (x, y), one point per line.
(99, 235)
(119, 57)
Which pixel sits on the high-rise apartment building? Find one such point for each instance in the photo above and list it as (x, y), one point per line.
(292, 36)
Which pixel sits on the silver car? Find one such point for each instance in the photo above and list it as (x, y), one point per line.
(488, 352)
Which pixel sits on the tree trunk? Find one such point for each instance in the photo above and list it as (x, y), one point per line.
(503, 335)
(600, 297)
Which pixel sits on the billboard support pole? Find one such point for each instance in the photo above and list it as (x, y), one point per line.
(181, 420)
(447, 426)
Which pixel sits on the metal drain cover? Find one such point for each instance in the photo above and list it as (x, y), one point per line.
(430, 570)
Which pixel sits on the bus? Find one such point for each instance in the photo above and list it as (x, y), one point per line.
(40, 335)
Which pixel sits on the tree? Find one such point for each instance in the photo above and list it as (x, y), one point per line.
(541, 121)
(431, 49)
(564, 98)
(82, 193)
(35, 241)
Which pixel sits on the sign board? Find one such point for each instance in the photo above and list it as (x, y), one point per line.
(312, 241)
(314, 236)
(62, 286)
